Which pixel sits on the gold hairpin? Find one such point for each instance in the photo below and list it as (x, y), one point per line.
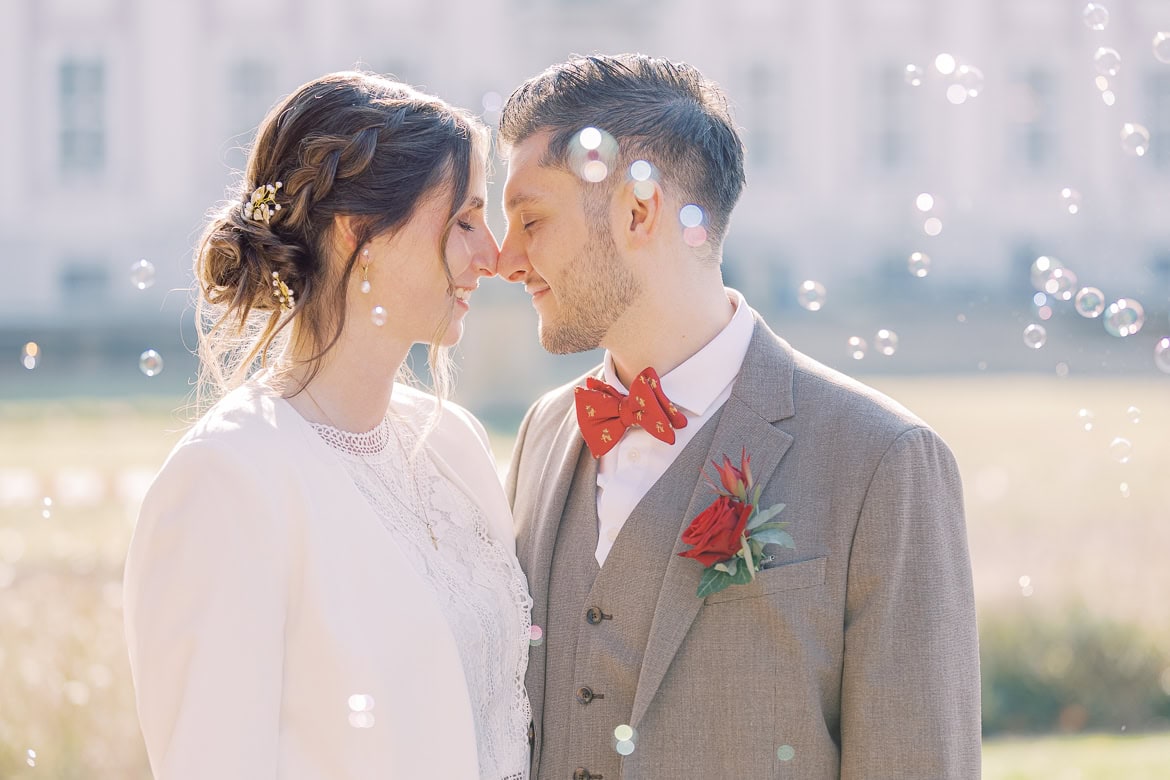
(262, 205)
(282, 293)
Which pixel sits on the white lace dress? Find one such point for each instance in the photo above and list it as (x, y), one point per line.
(477, 581)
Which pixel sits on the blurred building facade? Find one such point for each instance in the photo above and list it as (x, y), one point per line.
(126, 120)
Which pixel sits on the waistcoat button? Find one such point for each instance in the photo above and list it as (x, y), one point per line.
(593, 616)
(585, 695)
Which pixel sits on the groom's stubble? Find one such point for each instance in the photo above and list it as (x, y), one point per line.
(593, 292)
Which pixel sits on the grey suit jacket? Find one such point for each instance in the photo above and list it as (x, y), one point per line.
(856, 654)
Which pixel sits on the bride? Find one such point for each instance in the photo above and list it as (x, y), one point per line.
(322, 581)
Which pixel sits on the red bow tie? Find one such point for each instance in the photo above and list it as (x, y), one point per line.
(605, 414)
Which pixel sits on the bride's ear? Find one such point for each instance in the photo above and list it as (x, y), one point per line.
(344, 233)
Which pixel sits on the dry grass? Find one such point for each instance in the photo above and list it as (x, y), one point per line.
(1043, 496)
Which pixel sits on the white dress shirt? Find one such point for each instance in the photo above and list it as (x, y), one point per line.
(698, 387)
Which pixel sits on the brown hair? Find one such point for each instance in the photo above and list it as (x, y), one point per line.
(347, 143)
(664, 112)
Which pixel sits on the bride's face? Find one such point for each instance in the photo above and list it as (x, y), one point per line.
(406, 270)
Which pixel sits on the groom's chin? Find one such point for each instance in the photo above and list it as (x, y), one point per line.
(561, 342)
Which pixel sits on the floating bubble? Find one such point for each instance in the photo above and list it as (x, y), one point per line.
(1042, 269)
(695, 236)
(945, 64)
(361, 720)
(643, 190)
(785, 752)
(1044, 312)
(913, 75)
(932, 226)
(1040, 299)
(811, 295)
(1107, 60)
(970, 78)
(1096, 16)
(1162, 47)
(142, 274)
(1070, 199)
(1124, 317)
(919, 264)
(1135, 139)
(1062, 370)
(924, 202)
(886, 342)
(593, 154)
(47, 508)
(1120, 449)
(957, 94)
(1060, 284)
(30, 757)
(590, 138)
(536, 636)
(150, 363)
(1102, 83)
(30, 355)
(1035, 336)
(492, 101)
(624, 738)
(856, 347)
(690, 215)
(1085, 419)
(361, 702)
(1133, 414)
(1024, 581)
(1108, 98)
(1162, 354)
(1089, 302)
(378, 316)
(594, 171)
(640, 170)
(1124, 487)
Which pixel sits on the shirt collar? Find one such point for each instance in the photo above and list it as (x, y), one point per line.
(697, 383)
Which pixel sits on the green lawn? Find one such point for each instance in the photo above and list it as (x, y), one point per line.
(1043, 499)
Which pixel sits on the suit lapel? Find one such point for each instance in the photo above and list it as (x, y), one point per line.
(761, 395)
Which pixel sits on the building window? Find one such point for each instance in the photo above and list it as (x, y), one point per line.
(82, 93)
(1158, 116)
(1033, 108)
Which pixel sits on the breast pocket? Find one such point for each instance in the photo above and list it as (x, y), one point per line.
(787, 576)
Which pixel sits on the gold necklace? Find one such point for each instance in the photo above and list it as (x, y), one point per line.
(413, 476)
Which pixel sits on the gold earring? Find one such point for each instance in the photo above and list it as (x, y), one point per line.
(365, 285)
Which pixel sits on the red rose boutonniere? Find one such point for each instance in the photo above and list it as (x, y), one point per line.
(728, 537)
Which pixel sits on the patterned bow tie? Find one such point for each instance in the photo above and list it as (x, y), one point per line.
(605, 414)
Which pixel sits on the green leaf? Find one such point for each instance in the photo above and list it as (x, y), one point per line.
(741, 577)
(761, 516)
(773, 534)
(712, 581)
(756, 496)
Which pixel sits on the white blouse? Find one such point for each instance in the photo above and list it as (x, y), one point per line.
(480, 588)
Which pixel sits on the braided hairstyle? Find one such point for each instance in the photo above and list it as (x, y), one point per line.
(348, 143)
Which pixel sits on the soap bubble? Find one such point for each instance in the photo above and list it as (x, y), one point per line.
(1096, 16)
(30, 355)
(142, 274)
(1090, 302)
(811, 295)
(919, 264)
(913, 75)
(1124, 317)
(378, 316)
(1135, 139)
(856, 347)
(150, 363)
(1162, 47)
(1035, 336)
(593, 154)
(1071, 200)
(1085, 419)
(690, 215)
(1120, 450)
(886, 342)
(945, 64)
(1162, 354)
(1108, 61)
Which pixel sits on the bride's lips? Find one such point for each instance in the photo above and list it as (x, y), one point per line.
(462, 297)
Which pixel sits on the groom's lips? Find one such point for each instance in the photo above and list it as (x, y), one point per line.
(537, 292)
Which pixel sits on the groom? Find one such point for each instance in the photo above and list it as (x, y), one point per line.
(850, 654)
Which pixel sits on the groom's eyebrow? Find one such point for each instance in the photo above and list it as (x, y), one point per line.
(522, 199)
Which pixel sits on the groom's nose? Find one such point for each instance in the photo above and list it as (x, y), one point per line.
(513, 264)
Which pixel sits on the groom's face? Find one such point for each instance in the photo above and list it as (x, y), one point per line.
(560, 246)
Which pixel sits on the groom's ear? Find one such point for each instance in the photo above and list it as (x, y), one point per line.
(640, 205)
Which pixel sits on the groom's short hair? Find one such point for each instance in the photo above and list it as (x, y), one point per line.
(664, 112)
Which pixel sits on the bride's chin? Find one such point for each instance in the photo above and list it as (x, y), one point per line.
(453, 335)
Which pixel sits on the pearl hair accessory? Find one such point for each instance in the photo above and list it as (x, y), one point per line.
(282, 293)
(263, 206)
